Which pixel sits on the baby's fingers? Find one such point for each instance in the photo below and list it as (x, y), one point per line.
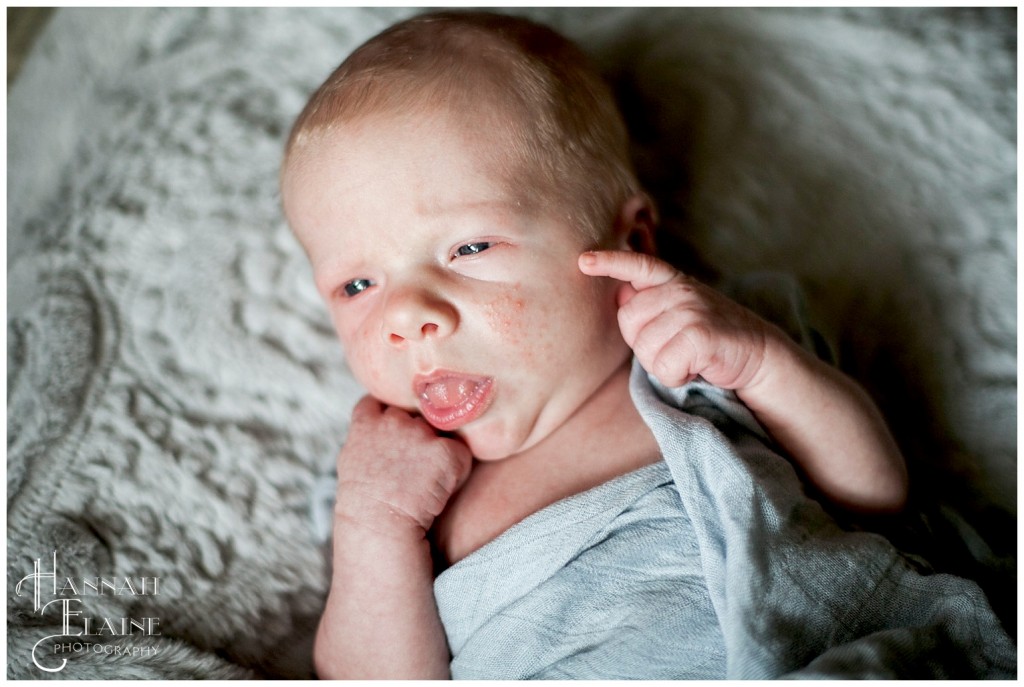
(368, 408)
(640, 270)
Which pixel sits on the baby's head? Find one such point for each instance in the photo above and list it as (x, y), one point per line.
(443, 181)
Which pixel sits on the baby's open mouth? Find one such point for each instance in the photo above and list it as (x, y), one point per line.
(449, 400)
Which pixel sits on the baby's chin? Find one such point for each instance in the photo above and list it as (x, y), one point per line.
(491, 442)
(485, 447)
(487, 438)
(488, 452)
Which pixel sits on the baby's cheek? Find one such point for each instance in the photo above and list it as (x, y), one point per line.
(505, 315)
(361, 355)
(524, 324)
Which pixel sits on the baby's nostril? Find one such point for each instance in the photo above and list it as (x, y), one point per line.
(395, 338)
(429, 329)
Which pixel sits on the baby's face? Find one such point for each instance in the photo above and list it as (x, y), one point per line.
(453, 295)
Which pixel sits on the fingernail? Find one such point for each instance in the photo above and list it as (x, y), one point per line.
(588, 259)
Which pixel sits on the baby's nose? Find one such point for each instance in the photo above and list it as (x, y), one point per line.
(416, 315)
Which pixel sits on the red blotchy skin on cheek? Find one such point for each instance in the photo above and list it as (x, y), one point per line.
(505, 315)
(528, 325)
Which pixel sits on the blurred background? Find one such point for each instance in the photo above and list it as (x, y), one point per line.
(23, 25)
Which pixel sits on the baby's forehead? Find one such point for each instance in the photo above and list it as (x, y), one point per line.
(490, 141)
(439, 162)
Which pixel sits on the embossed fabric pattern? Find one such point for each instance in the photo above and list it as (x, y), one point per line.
(174, 387)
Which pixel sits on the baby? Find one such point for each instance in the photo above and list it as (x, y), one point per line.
(462, 187)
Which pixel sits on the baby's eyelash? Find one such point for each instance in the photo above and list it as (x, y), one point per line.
(471, 249)
(355, 287)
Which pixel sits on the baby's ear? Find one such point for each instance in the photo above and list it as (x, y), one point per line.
(635, 225)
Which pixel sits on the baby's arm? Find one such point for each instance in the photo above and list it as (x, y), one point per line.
(395, 476)
(679, 329)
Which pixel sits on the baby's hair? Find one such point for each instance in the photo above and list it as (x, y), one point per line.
(516, 78)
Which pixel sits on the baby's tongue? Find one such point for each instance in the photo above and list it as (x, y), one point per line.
(449, 392)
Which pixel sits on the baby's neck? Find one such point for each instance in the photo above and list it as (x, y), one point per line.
(603, 439)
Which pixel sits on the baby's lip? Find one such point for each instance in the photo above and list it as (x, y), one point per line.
(449, 400)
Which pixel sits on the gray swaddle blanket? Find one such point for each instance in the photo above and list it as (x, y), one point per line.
(712, 564)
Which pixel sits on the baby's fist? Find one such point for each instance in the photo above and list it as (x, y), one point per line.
(394, 473)
(679, 328)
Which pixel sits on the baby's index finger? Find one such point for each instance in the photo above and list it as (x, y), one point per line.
(639, 269)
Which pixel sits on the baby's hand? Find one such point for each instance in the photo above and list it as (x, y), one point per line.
(679, 328)
(395, 475)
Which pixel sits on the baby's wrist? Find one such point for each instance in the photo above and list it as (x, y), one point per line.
(379, 548)
(362, 518)
(781, 359)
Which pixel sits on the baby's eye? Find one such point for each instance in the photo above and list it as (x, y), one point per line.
(471, 249)
(356, 286)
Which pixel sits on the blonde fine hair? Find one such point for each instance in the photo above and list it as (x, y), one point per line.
(517, 78)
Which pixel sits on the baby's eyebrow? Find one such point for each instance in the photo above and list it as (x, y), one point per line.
(469, 206)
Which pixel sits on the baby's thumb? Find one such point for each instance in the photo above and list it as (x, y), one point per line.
(462, 460)
(465, 468)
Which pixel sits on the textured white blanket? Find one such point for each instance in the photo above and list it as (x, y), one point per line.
(174, 389)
